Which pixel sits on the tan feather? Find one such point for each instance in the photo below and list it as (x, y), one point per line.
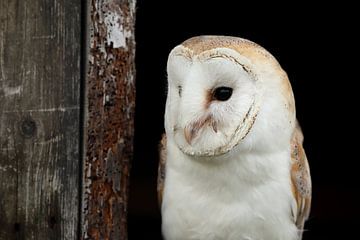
(161, 169)
(300, 179)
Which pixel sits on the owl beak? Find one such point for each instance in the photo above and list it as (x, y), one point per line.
(193, 129)
(190, 133)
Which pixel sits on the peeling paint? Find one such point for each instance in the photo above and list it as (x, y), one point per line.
(116, 34)
(44, 36)
(9, 91)
(55, 139)
(110, 95)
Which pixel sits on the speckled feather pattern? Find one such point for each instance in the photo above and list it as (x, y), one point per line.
(300, 178)
(161, 168)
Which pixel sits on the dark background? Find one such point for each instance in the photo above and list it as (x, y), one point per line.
(314, 44)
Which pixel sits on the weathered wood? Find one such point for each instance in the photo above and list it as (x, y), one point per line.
(109, 115)
(39, 119)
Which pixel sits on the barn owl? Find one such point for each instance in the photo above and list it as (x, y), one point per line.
(232, 165)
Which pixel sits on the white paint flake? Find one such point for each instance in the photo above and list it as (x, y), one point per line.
(52, 140)
(10, 91)
(116, 33)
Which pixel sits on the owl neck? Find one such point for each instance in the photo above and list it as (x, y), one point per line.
(231, 168)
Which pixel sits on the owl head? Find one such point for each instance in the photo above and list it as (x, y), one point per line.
(226, 94)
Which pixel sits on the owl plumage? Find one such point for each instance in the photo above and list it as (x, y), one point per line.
(232, 165)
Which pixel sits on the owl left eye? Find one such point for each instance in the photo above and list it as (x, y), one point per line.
(222, 93)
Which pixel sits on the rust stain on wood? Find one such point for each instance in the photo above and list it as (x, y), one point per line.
(110, 105)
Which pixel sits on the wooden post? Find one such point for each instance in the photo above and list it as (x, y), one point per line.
(39, 119)
(109, 117)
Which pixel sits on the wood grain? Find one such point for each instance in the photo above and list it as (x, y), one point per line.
(39, 117)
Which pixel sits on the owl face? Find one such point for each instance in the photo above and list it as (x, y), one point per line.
(212, 101)
(227, 93)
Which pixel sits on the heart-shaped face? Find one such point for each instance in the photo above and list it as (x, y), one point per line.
(212, 102)
(215, 94)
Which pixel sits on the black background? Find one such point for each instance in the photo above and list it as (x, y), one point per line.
(316, 47)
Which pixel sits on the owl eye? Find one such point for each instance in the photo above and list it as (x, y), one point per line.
(222, 93)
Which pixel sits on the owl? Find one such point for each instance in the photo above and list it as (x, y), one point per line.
(232, 165)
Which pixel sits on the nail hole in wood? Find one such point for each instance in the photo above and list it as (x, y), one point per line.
(52, 221)
(17, 227)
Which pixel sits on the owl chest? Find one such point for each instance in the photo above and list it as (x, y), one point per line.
(203, 211)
